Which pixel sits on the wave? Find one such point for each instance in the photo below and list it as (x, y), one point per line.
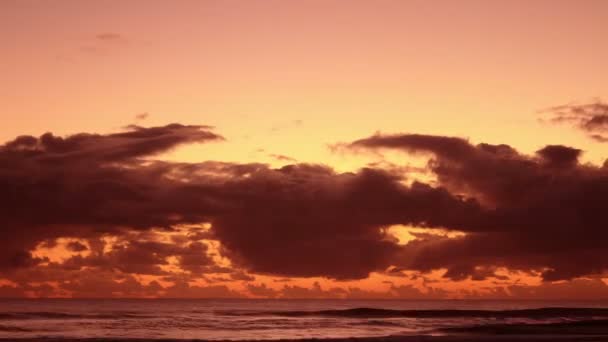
(62, 315)
(379, 323)
(583, 331)
(540, 313)
(10, 328)
(584, 327)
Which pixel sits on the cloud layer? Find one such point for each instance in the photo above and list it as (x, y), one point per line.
(592, 118)
(542, 212)
(539, 213)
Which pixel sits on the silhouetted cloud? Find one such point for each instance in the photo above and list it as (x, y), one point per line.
(261, 290)
(591, 118)
(292, 221)
(185, 290)
(542, 212)
(287, 221)
(85, 185)
(316, 291)
(76, 246)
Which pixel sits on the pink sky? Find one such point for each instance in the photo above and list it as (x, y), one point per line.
(289, 78)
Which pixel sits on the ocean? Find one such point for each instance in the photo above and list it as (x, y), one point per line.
(259, 319)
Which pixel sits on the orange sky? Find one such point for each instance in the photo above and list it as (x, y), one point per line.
(290, 78)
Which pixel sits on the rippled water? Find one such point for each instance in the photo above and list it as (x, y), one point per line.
(270, 319)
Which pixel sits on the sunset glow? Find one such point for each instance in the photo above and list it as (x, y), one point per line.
(304, 149)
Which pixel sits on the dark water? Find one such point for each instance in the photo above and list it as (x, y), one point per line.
(279, 319)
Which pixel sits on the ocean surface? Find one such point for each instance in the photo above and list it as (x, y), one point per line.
(252, 319)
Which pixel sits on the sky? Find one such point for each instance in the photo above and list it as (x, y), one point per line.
(303, 149)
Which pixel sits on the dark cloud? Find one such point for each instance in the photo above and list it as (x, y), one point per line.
(94, 148)
(288, 221)
(581, 289)
(185, 290)
(316, 291)
(537, 213)
(411, 292)
(96, 284)
(559, 156)
(292, 221)
(88, 184)
(261, 290)
(76, 246)
(584, 289)
(542, 212)
(240, 275)
(132, 255)
(591, 118)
